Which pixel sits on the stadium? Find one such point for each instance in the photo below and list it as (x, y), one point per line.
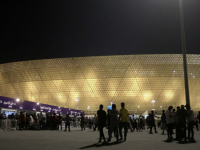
(143, 82)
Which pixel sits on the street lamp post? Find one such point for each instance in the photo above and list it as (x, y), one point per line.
(153, 101)
(76, 102)
(184, 53)
(88, 109)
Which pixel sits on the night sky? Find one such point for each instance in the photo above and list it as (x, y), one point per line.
(74, 28)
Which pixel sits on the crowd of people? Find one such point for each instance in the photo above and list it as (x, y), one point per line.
(115, 124)
(180, 120)
(39, 121)
(50, 121)
(114, 120)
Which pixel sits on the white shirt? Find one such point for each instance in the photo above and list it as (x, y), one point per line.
(190, 115)
(31, 119)
(168, 116)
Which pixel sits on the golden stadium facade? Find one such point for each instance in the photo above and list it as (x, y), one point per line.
(133, 79)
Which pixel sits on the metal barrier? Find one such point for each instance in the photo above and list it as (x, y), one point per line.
(8, 124)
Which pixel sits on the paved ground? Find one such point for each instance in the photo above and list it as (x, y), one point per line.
(59, 140)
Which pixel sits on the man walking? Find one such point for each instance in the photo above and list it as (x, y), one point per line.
(182, 113)
(163, 120)
(152, 122)
(170, 121)
(48, 126)
(102, 122)
(40, 120)
(123, 121)
(133, 123)
(95, 122)
(108, 123)
(59, 121)
(55, 121)
(23, 119)
(90, 122)
(67, 123)
(82, 122)
(190, 121)
(113, 114)
(176, 122)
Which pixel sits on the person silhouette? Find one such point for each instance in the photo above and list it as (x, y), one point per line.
(152, 122)
(190, 121)
(170, 121)
(182, 114)
(113, 114)
(123, 121)
(101, 122)
(163, 120)
(176, 122)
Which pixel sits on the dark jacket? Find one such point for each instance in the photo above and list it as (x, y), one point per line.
(101, 118)
(182, 114)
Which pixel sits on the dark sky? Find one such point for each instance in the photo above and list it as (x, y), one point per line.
(73, 28)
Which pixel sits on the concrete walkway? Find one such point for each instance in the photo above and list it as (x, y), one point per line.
(76, 139)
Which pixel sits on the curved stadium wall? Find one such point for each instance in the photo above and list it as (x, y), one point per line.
(133, 79)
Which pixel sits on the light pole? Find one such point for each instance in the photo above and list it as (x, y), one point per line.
(184, 53)
(76, 99)
(153, 101)
(88, 109)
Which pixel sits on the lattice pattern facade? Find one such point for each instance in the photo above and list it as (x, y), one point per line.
(133, 79)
